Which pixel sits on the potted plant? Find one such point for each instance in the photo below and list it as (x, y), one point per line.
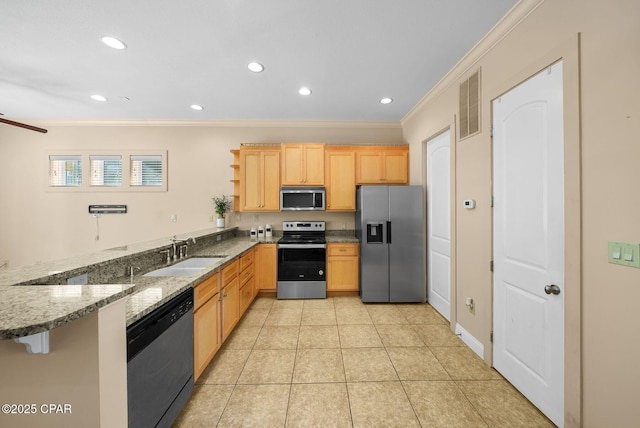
(222, 205)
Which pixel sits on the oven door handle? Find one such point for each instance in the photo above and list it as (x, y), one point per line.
(303, 246)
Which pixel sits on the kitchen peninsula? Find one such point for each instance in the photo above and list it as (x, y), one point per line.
(84, 373)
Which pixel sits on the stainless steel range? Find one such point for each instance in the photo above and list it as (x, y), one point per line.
(302, 260)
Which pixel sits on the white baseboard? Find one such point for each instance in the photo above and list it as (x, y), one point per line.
(473, 343)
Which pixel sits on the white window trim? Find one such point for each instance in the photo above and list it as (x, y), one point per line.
(86, 186)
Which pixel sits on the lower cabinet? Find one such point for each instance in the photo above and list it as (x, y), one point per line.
(266, 268)
(247, 280)
(230, 307)
(222, 299)
(206, 323)
(342, 267)
(246, 294)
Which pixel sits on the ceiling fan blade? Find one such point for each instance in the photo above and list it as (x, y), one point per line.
(23, 125)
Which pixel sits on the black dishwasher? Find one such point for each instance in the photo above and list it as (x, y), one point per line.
(160, 363)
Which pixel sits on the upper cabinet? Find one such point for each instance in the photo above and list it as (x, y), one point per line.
(236, 179)
(260, 178)
(340, 165)
(382, 165)
(260, 170)
(302, 164)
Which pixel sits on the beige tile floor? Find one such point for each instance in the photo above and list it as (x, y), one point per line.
(341, 363)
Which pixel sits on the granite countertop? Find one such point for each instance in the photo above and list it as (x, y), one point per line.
(342, 238)
(37, 308)
(32, 309)
(36, 298)
(152, 292)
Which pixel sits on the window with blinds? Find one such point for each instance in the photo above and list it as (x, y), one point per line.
(146, 170)
(65, 170)
(106, 170)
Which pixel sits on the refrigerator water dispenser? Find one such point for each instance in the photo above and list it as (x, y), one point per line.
(374, 233)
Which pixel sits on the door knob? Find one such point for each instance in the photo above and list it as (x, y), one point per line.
(552, 289)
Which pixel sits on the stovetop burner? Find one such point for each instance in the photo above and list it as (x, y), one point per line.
(298, 232)
(300, 240)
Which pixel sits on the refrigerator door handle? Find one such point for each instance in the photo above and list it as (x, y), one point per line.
(388, 232)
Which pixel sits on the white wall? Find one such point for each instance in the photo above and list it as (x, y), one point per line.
(38, 225)
(598, 42)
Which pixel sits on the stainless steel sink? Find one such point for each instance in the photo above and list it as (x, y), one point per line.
(187, 267)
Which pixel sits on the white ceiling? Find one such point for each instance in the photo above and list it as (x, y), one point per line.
(350, 53)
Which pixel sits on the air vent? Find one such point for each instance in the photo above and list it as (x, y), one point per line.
(470, 106)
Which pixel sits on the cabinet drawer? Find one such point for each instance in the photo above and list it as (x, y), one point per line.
(205, 290)
(246, 259)
(246, 275)
(229, 272)
(246, 294)
(342, 249)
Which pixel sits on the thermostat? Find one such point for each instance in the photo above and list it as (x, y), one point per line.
(469, 204)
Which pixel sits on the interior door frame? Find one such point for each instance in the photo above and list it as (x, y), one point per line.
(451, 127)
(569, 52)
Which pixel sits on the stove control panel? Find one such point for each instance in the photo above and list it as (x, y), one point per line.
(297, 226)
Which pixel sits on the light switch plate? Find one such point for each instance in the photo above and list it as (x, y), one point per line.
(620, 253)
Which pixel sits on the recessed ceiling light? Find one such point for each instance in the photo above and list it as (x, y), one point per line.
(112, 42)
(98, 97)
(197, 107)
(304, 91)
(256, 67)
(386, 100)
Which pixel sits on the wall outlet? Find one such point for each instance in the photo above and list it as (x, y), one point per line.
(344, 226)
(210, 218)
(174, 218)
(256, 217)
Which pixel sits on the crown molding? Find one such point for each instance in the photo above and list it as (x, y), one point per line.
(507, 23)
(225, 123)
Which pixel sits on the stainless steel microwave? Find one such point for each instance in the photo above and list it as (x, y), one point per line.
(302, 199)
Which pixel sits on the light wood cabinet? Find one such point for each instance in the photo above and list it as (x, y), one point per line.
(340, 164)
(247, 294)
(236, 179)
(247, 280)
(303, 164)
(206, 327)
(266, 268)
(382, 165)
(342, 267)
(230, 298)
(259, 179)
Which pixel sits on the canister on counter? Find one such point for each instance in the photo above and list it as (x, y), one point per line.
(268, 233)
(253, 234)
(260, 232)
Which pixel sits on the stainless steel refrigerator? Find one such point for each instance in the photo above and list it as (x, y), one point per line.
(389, 223)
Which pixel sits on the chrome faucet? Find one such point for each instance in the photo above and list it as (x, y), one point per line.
(178, 244)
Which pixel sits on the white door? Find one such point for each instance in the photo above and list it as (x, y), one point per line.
(438, 223)
(528, 236)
